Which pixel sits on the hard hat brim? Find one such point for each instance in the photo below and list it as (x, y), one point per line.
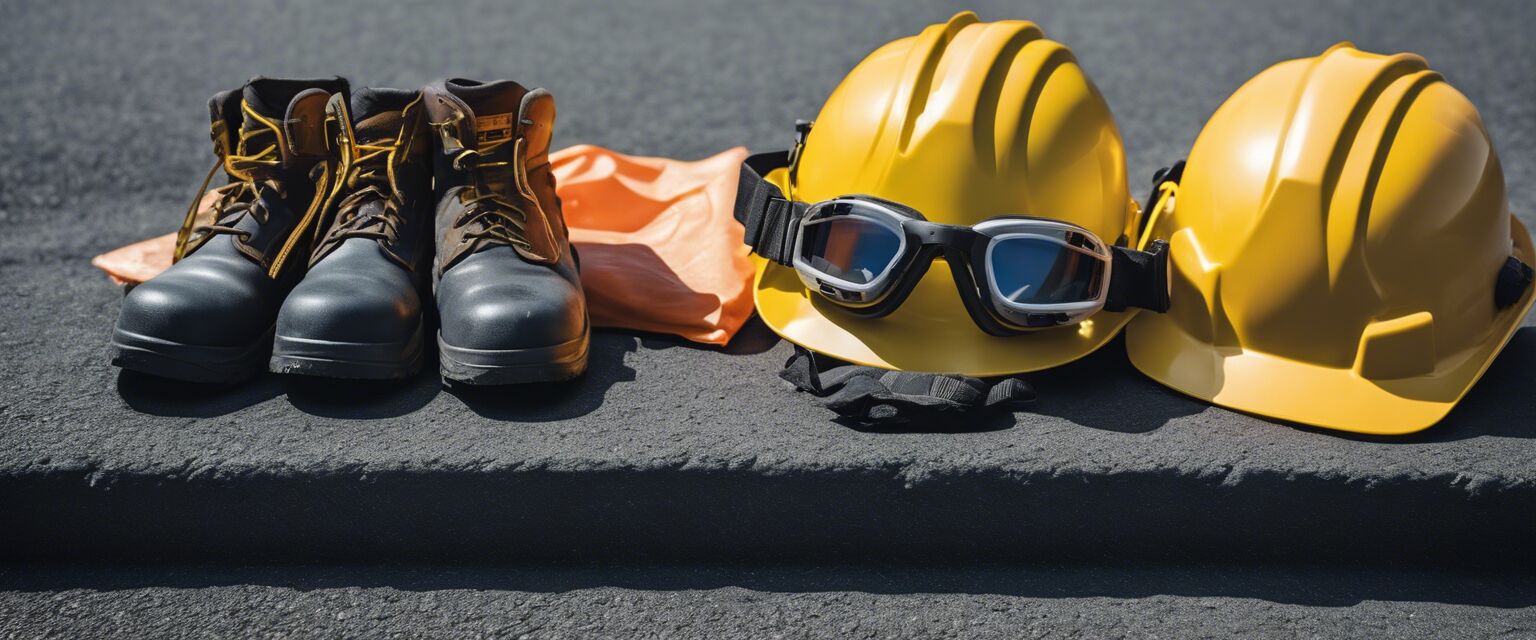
(1301, 392)
(930, 332)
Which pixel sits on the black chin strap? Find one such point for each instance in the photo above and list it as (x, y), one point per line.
(1137, 278)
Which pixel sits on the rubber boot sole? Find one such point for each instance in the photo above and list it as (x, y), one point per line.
(189, 363)
(459, 365)
(350, 360)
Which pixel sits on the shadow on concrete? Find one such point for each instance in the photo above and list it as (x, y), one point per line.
(563, 515)
(164, 397)
(363, 399)
(753, 338)
(550, 401)
(377, 399)
(1309, 586)
(1103, 391)
(998, 421)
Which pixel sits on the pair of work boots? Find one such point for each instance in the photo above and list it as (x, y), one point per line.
(322, 253)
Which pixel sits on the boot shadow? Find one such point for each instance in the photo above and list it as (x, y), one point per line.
(174, 398)
(363, 399)
(552, 401)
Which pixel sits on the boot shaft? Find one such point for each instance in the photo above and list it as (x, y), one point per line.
(383, 190)
(273, 127)
(492, 172)
(273, 144)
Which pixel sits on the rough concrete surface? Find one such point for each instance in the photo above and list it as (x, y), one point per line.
(666, 450)
(106, 137)
(779, 602)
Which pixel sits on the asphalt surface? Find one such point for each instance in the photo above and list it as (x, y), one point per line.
(778, 602)
(104, 133)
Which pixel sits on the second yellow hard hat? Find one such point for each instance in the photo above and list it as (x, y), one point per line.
(1342, 252)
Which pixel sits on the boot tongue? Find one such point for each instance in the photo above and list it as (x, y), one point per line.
(269, 99)
(495, 106)
(383, 127)
(377, 113)
(266, 99)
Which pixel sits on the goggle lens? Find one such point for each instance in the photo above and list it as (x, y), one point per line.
(1034, 270)
(849, 247)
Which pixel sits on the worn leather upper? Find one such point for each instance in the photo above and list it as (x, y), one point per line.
(506, 276)
(226, 289)
(494, 141)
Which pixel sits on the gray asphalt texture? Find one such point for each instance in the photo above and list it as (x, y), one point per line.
(775, 602)
(103, 127)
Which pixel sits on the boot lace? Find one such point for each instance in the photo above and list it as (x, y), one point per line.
(254, 176)
(499, 219)
(371, 178)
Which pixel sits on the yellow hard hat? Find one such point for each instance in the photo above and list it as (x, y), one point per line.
(1342, 251)
(963, 122)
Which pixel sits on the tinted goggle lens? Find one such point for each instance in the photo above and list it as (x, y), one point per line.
(1039, 273)
(1034, 270)
(846, 242)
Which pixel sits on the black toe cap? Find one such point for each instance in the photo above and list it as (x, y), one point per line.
(353, 295)
(494, 300)
(208, 300)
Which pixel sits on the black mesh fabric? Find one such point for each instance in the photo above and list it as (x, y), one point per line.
(871, 396)
(270, 96)
(371, 101)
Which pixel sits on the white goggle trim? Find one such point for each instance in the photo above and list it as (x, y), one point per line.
(813, 278)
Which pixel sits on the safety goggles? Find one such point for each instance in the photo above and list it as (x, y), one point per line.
(1014, 273)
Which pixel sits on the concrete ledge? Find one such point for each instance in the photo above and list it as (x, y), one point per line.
(758, 601)
(699, 514)
(668, 452)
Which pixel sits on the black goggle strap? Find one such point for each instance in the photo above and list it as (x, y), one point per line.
(1141, 277)
(1138, 278)
(770, 220)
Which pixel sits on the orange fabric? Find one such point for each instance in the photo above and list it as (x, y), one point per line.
(660, 248)
(139, 261)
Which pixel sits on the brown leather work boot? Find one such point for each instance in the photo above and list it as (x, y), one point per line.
(209, 317)
(508, 295)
